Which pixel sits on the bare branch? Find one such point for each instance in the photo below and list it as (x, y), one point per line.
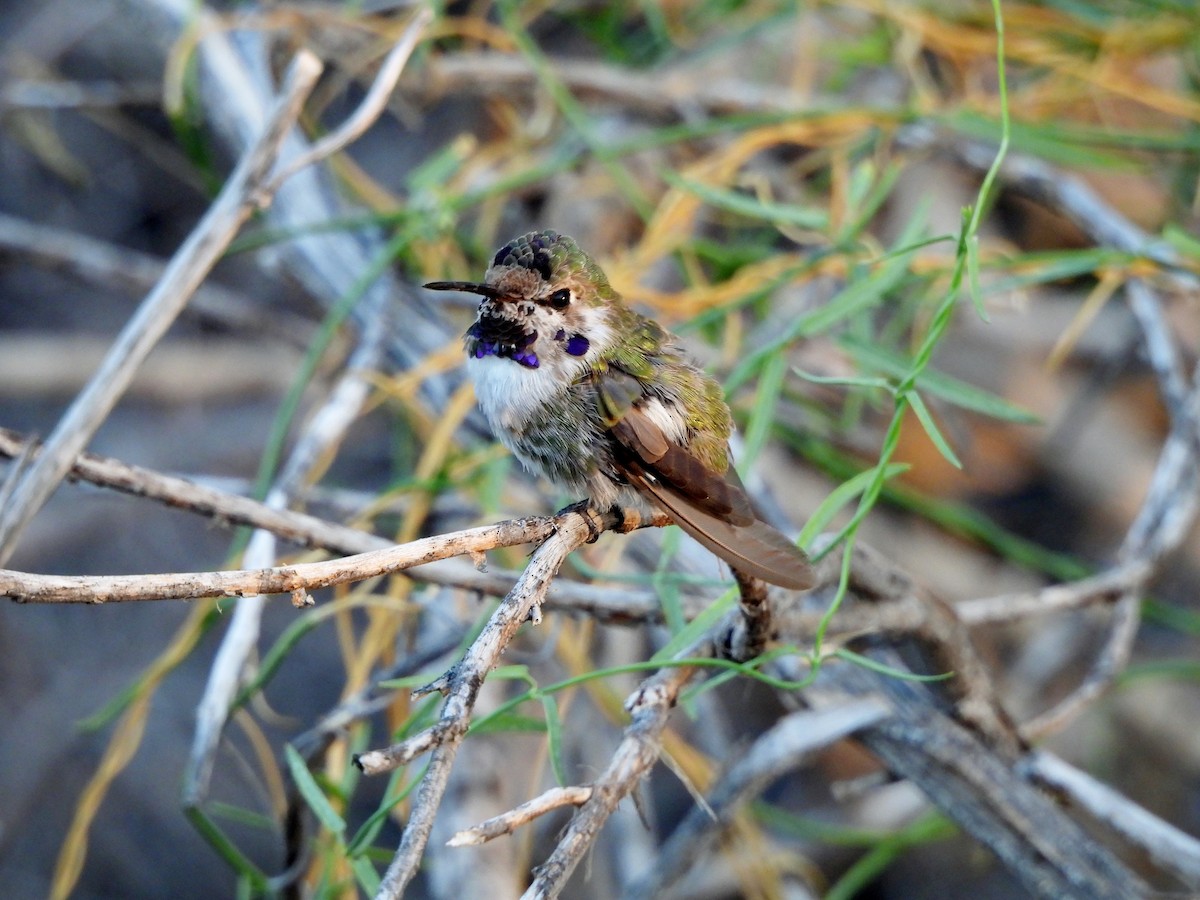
(31, 588)
(785, 747)
(625, 607)
(757, 621)
(463, 684)
(99, 262)
(1174, 850)
(666, 90)
(372, 105)
(980, 789)
(1162, 523)
(39, 93)
(1171, 504)
(240, 196)
(507, 823)
(322, 433)
(649, 708)
(1098, 588)
(138, 481)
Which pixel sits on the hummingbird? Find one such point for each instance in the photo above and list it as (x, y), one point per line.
(604, 402)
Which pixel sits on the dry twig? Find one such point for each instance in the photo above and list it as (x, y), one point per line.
(507, 823)
(605, 605)
(788, 745)
(649, 708)
(372, 105)
(461, 686)
(241, 195)
(35, 588)
(980, 789)
(1174, 850)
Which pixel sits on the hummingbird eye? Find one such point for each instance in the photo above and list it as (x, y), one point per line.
(560, 298)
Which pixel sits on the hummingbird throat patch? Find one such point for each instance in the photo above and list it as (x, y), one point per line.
(506, 338)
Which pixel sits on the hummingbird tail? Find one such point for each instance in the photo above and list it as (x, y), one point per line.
(754, 549)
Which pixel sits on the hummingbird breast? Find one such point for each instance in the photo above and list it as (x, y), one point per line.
(549, 420)
(540, 415)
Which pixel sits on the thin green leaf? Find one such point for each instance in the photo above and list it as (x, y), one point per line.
(863, 208)
(1181, 240)
(945, 387)
(1034, 269)
(867, 663)
(510, 722)
(407, 681)
(843, 494)
(954, 518)
(1063, 142)
(360, 844)
(847, 381)
(974, 285)
(437, 169)
(762, 416)
(515, 672)
(145, 682)
(225, 848)
(366, 875)
(278, 652)
(931, 429)
(242, 816)
(932, 827)
(1178, 669)
(1185, 621)
(806, 828)
(860, 293)
(311, 791)
(666, 588)
(862, 177)
(691, 632)
(913, 246)
(751, 207)
(583, 122)
(554, 738)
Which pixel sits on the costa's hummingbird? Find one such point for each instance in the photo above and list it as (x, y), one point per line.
(604, 402)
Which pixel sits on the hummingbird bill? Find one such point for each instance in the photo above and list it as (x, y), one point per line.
(604, 402)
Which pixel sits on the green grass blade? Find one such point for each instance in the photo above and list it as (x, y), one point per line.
(311, 791)
(225, 848)
(366, 875)
(881, 668)
(931, 429)
(859, 294)
(944, 387)
(881, 384)
(838, 498)
(691, 632)
(510, 722)
(762, 416)
(751, 207)
(974, 285)
(554, 739)
(360, 844)
(930, 828)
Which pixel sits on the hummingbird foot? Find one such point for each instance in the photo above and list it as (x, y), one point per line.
(591, 517)
(751, 635)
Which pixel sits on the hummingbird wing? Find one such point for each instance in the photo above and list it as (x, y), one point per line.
(713, 507)
(622, 397)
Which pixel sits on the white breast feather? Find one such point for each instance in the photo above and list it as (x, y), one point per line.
(508, 392)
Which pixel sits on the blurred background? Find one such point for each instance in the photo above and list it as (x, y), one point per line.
(782, 183)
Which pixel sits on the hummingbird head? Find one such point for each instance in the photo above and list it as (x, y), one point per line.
(545, 303)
